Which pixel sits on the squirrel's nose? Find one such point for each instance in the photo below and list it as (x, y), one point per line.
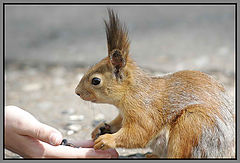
(77, 92)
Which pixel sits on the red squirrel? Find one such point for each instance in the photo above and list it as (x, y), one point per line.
(186, 114)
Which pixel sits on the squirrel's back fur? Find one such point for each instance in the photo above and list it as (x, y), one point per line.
(186, 114)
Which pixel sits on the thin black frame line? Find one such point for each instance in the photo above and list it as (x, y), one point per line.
(139, 3)
(122, 159)
(3, 81)
(235, 4)
(236, 80)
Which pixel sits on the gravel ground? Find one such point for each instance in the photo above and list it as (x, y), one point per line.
(48, 50)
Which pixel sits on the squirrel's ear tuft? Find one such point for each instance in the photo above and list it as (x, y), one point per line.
(117, 35)
(117, 42)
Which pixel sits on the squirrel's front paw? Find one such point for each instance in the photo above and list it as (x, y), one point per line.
(105, 142)
(96, 131)
(101, 129)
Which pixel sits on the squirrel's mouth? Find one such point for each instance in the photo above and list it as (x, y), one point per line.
(94, 100)
(89, 99)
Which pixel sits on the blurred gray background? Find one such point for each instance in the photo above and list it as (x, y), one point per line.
(162, 38)
(48, 48)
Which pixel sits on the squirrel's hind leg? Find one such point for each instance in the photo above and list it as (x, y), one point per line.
(186, 131)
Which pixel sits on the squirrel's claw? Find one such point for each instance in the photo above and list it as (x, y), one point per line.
(102, 129)
(104, 142)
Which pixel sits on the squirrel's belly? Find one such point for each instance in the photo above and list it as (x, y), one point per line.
(159, 144)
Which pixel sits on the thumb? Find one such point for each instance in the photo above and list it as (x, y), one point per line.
(44, 133)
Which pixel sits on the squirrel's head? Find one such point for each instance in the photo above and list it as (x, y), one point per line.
(106, 81)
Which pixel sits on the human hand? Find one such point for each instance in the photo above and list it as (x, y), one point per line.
(29, 138)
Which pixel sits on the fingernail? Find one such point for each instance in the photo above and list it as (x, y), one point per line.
(55, 139)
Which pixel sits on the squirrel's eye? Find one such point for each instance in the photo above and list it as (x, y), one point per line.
(96, 81)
